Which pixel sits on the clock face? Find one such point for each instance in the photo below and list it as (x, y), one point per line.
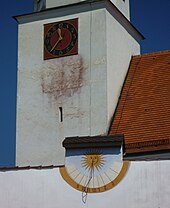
(61, 39)
(94, 170)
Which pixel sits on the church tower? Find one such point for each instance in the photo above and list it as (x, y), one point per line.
(73, 56)
(39, 5)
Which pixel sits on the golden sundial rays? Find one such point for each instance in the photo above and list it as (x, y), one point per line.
(90, 161)
(93, 170)
(93, 159)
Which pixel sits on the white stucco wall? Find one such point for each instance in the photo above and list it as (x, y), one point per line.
(86, 85)
(39, 131)
(122, 5)
(146, 185)
(55, 3)
(42, 89)
(121, 46)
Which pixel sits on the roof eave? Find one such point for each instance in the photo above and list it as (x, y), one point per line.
(148, 156)
(78, 8)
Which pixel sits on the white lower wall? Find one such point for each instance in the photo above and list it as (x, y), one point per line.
(146, 185)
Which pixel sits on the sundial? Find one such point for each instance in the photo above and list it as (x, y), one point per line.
(94, 164)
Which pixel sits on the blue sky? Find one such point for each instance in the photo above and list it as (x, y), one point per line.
(150, 17)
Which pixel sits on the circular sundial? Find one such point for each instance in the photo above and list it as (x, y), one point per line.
(93, 170)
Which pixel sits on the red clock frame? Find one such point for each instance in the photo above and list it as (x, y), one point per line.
(61, 39)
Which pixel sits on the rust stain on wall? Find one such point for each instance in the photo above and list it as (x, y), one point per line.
(62, 77)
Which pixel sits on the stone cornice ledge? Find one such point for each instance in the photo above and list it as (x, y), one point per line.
(80, 7)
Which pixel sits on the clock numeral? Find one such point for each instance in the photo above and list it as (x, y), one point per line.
(47, 41)
(48, 34)
(72, 30)
(67, 49)
(53, 52)
(56, 27)
(52, 30)
(67, 26)
(60, 25)
(60, 53)
(74, 36)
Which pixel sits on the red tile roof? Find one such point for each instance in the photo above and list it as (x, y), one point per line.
(143, 111)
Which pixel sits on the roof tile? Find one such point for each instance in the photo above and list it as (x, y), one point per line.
(143, 111)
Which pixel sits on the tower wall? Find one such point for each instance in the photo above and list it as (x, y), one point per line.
(69, 96)
(122, 5)
(121, 46)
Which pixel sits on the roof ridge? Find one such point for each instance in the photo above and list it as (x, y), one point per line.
(152, 53)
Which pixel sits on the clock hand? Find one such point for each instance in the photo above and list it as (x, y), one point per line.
(59, 33)
(59, 39)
